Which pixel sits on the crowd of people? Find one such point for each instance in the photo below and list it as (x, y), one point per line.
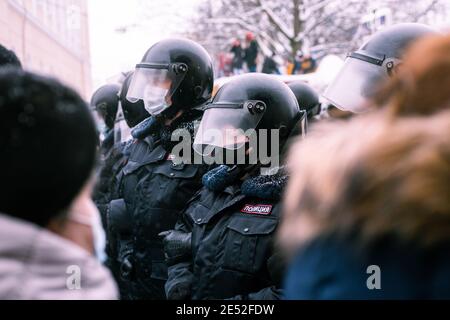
(259, 192)
(249, 58)
(242, 58)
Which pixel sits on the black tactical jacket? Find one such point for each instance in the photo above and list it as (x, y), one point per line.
(152, 193)
(232, 248)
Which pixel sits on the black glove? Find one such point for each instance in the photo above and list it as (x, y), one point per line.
(177, 245)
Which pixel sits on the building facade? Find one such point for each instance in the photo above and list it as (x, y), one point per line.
(50, 37)
(378, 17)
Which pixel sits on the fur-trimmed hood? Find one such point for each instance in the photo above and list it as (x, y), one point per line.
(371, 177)
(261, 186)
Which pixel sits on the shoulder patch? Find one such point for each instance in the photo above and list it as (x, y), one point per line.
(260, 209)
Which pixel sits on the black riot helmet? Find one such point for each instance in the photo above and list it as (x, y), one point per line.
(105, 101)
(174, 75)
(133, 112)
(374, 62)
(248, 102)
(307, 98)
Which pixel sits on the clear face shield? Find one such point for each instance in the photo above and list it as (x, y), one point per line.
(303, 123)
(228, 126)
(122, 132)
(155, 84)
(357, 81)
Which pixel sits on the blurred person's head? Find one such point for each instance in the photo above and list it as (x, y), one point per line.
(48, 145)
(421, 85)
(8, 58)
(249, 36)
(370, 178)
(371, 65)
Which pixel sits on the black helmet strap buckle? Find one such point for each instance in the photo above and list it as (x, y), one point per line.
(387, 63)
(255, 106)
(391, 65)
(179, 68)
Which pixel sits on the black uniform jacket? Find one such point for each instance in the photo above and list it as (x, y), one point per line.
(153, 192)
(232, 247)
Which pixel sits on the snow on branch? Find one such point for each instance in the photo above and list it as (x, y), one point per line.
(277, 21)
(427, 9)
(313, 7)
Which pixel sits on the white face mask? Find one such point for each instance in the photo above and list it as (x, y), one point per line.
(91, 218)
(154, 100)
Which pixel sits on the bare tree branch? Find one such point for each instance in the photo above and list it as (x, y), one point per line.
(277, 22)
(314, 7)
(427, 9)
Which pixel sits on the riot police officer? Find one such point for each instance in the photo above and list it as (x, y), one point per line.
(372, 63)
(174, 81)
(116, 220)
(227, 229)
(105, 102)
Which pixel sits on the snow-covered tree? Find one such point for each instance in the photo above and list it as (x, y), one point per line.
(287, 26)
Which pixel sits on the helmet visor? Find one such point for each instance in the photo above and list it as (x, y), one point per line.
(122, 132)
(155, 85)
(227, 126)
(355, 85)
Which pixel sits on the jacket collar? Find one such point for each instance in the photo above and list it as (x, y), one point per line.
(269, 187)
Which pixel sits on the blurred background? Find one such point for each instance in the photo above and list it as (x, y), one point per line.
(87, 43)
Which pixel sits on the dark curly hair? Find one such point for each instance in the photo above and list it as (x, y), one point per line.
(8, 58)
